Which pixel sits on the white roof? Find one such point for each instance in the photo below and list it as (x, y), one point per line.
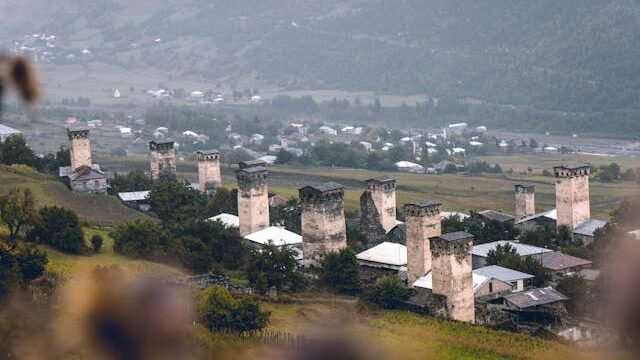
(386, 253)
(279, 236)
(447, 214)
(406, 164)
(269, 159)
(190, 133)
(6, 130)
(462, 124)
(405, 139)
(551, 148)
(430, 144)
(502, 273)
(458, 150)
(228, 220)
(426, 282)
(133, 195)
(522, 249)
(475, 143)
(125, 130)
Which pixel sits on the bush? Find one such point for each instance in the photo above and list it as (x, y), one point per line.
(59, 228)
(96, 243)
(389, 292)
(340, 272)
(218, 310)
(273, 266)
(145, 239)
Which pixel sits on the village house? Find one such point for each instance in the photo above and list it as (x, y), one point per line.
(136, 199)
(560, 264)
(540, 305)
(481, 251)
(492, 215)
(484, 287)
(518, 281)
(383, 259)
(585, 232)
(540, 221)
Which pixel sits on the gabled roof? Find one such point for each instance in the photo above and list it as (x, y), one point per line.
(386, 253)
(589, 227)
(557, 261)
(535, 297)
(84, 173)
(228, 220)
(426, 282)
(134, 195)
(522, 249)
(551, 215)
(495, 215)
(279, 236)
(502, 273)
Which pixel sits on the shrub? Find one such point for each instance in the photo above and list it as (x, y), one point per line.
(218, 310)
(340, 272)
(273, 266)
(146, 239)
(59, 228)
(389, 292)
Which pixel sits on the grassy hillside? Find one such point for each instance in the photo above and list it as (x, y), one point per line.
(405, 335)
(93, 208)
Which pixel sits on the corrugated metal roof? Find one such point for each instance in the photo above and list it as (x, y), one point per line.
(279, 236)
(522, 249)
(589, 227)
(228, 220)
(448, 214)
(551, 214)
(134, 195)
(557, 261)
(496, 215)
(426, 282)
(502, 273)
(386, 253)
(455, 236)
(535, 297)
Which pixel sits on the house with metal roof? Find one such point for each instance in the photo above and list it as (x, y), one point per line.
(386, 258)
(484, 287)
(518, 280)
(535, 299)
(481, 251)
(496, 216)
(585, 232)
(539, 221)
(277, 235)
(560, 264)
(228, 220)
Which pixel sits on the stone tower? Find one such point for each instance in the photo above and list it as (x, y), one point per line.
(572, 194)
(323, 221)
(253, 199)
(163, 159)
(80, 147)
(525, 200)
(209, 177)
(383, 193)
(452, 273)
(422, 221)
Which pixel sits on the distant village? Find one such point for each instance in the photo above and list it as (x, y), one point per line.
(448, 274)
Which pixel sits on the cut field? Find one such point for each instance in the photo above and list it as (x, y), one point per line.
(404, 335)
(94, 209)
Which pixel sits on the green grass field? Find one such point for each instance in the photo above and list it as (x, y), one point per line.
(48, 191)
(404, 335)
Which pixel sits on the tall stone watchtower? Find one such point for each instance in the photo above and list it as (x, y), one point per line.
(163, 159)
(253, 199)
(572, 194)
(422, 221)
(80, 147)
(209, 177)
(323, 222)
(383, 194)
(452, 273)
(525, 200)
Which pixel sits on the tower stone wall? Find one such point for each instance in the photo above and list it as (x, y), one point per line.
(80, 148)
(163, 159)
(422, 221)
(572, 194)
(383, 193)
(452, 273)
(525, 200)
(209, 177)
(323, 221)
(253, 199)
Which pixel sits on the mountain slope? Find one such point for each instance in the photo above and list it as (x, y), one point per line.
(572, 55)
